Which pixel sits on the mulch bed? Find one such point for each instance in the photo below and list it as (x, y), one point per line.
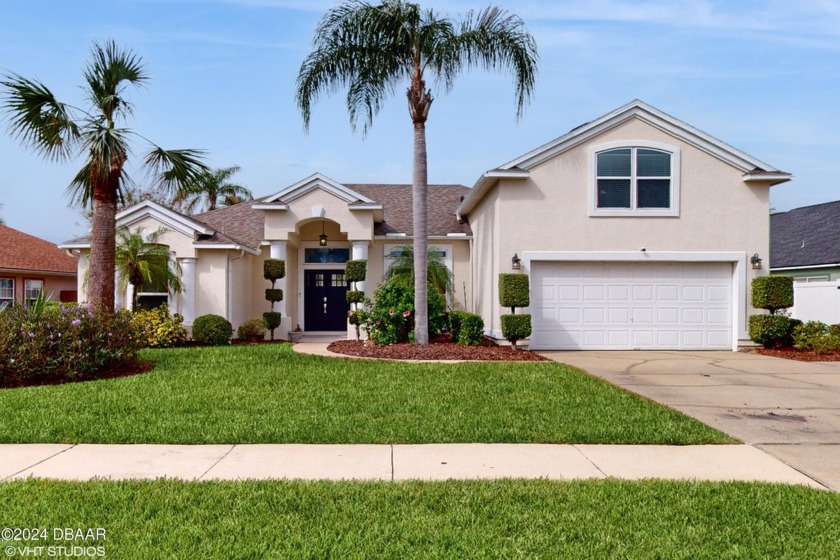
(796, 354)
(441, 348)
(124, 371)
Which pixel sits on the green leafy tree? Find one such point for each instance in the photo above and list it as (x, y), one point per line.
(141, 260)
(373, 48)
(438, 276)
(96, 133)
(212, 188)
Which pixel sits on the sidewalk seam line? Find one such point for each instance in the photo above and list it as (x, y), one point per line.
(41, 461)
(392, 463)
(591, 462)
(219, 460)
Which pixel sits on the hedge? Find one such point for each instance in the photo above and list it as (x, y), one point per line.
(471, 330)
(274, 294)
(212, 329)
(274, 269)
(355, 271)
(354, 296)
(772, 292)
(273, 319)
(516, 327)
(455, 319)
(514, 290)
(772, 330)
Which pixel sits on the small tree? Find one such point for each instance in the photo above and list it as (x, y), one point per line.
(772, 293)
(273, 270)
(514, 291)
(355, 271)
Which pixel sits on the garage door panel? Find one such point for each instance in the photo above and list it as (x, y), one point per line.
(632, 305)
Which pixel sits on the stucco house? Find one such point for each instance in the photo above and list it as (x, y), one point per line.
(636, 230)
(30, 265)
(805, 243)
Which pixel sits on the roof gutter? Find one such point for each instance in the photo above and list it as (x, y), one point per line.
(484, 184)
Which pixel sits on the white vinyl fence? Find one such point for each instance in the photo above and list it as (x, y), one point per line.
(816, 301)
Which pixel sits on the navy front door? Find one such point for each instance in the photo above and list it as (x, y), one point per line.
(324, 302)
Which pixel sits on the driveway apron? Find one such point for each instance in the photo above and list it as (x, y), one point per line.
(788, 408)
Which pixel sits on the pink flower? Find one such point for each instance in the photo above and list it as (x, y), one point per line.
(391, 312)
(406, 313)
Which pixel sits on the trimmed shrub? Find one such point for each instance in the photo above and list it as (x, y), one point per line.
(391, 316)
(63, 343)
(817, 337)
(471, 329)
(355, 271)
(273, 319)
(455, 320)
(274, 269)
(156, 328)
(516, 327)
(274, 295)
(770, 330)
(514, 290)
(772, 292)
(214, 330)
(354, 296)
(252, 329)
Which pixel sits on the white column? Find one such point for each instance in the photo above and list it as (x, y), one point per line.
(360, 252)
(188, 289)
(277, 250)
(120, 298)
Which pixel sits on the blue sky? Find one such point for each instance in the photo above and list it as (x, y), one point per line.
(761, 76)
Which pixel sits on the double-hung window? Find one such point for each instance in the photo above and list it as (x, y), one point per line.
(32, 289)
(636, 179)
(7, 292)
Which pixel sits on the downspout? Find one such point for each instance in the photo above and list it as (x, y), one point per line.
(230, 281)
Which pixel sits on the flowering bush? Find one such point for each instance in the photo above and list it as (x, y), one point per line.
(63, 343)
(391, 316)
(158, 329)
(252, 330)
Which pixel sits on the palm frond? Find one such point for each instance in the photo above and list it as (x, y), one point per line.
(173, 171)
(37, 119)
(110, 69)
(438, 275)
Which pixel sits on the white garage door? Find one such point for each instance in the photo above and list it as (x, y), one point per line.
(625, 306)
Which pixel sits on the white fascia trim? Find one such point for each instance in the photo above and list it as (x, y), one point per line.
(227, 246)
(773, 178)
(270, 206)
(411, 237)
(484, 183)
(739, 272)
(652, 116)
(807, 267)
(74, 245)
(365, 207)
(323, 182)
(170, 218)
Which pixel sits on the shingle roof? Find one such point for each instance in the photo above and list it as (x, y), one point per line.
(21, 251)
(241, 223)
(805, 236)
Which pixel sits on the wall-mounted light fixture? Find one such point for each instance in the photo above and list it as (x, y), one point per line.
(322, 239)
(516, 262)
(755, 260)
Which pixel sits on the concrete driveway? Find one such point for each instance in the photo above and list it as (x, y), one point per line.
(788, 408)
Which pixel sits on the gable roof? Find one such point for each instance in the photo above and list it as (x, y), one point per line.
(21, 251)
(807, 236)
(318, 181)
(752, 168)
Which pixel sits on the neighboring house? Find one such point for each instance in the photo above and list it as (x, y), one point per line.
(805, 243)
(636, 230)
(30, 265)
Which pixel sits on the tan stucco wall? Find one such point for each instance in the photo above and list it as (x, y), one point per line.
(211, 283)
(179, 243)
(550, 212)
(356, 224)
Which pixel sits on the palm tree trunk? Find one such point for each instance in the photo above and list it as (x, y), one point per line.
(420, 211)
(102, 260)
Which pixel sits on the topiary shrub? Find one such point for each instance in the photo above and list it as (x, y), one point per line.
(274, 295)
(772, 293)
(355, 271)
(274, 269)
(273, 319)
(817, 337)
(514, 291)
(214, 330)
(471, 329)
(156, 328)
(455, 319)
(516, 327)
(354, 296)
(770, 330)
(252, 330)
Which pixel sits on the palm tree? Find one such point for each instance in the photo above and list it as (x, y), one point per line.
(59, 131)
(371, 49)
(402, 270)
(141, 261)
(214, 188)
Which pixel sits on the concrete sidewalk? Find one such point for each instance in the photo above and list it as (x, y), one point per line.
(395, 462)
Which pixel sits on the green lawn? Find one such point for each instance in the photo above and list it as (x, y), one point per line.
(499, 519)
(270, 394)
